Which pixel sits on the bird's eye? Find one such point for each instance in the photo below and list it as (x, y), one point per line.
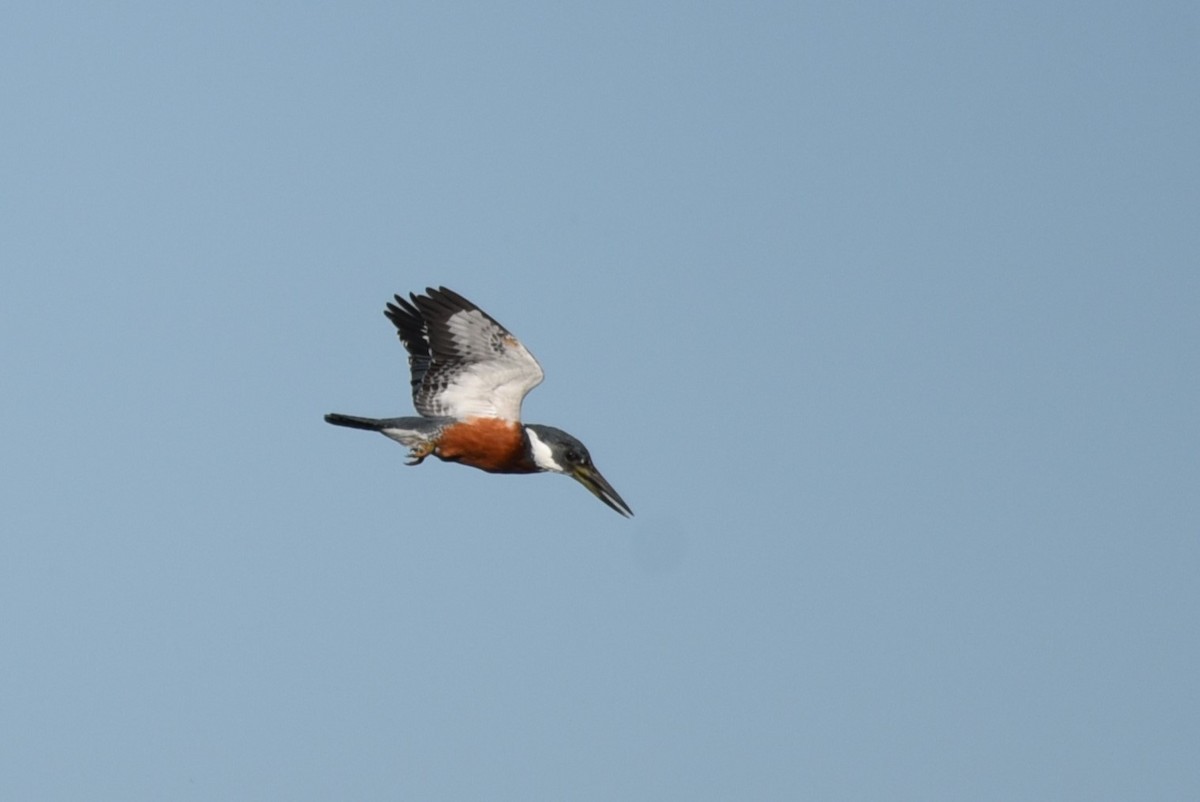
(572, 456)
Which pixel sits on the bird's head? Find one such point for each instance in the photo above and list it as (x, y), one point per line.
(556, 451)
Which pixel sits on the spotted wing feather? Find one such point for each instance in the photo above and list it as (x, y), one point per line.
(464, 364)
(411, 328)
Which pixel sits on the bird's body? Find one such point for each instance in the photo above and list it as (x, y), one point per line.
(469, 377)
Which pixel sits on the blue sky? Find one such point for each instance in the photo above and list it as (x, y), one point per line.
(882, 317)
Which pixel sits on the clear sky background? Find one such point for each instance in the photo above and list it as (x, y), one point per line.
(884, 318)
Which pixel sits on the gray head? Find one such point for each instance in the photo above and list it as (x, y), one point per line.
(556, 451)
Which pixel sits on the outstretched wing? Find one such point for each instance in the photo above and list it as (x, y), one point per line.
(464, 364)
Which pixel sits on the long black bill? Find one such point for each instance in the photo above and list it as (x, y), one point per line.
(591, 478)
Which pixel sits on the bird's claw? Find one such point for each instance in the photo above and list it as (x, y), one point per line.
(417, 454)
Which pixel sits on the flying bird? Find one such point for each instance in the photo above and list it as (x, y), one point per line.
(469, 376)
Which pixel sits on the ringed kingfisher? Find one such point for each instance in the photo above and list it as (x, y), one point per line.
(469, 376)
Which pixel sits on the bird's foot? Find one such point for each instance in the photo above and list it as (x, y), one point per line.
(417, 454)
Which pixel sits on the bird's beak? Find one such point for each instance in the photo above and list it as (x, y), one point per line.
(590, 478)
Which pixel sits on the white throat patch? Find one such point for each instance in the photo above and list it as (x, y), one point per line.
(543, 457)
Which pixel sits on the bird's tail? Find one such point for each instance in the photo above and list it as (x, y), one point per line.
(370, 424)
(419, 434)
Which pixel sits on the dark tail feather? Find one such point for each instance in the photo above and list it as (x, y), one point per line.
(370, 424)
